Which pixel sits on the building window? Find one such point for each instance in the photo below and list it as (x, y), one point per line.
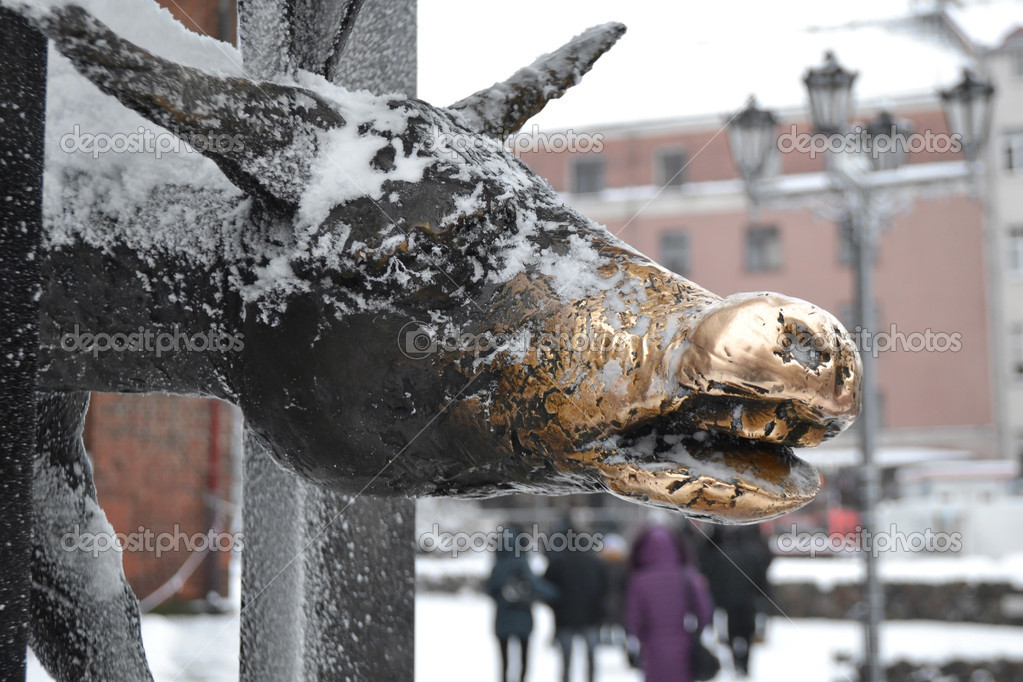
(587, 176)
(1016, 251)
(1013, 148)
(671, 167)
(675, 251)
(763, 248)
(1016, 351)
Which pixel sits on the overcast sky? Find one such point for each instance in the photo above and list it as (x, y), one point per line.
(687, 58)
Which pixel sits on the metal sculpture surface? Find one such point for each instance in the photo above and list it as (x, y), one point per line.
(359, 223)
(412, 317)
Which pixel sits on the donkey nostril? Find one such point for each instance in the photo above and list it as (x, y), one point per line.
(808, 356)
(800, 344)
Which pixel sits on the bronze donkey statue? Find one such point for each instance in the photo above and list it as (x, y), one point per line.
(415, 318)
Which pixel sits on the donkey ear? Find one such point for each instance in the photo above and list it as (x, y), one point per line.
(505, 107)
(260, 134)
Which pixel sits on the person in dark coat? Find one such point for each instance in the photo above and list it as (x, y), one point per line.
(736, 562)
(514, 587)
(615, 556)
(663, 588)
(581, 579)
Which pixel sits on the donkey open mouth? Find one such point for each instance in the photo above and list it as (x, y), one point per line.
(695, 408)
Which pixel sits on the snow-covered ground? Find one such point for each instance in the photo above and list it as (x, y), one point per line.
(795, 651)
(829, 572)
(454, 644)
(454, 640)
(824, 572)
(182, 648)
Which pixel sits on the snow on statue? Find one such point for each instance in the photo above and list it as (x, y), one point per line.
(415, 318)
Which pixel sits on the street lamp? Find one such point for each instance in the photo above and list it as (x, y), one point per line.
(829, 88)
(968, 110)
(753, 135)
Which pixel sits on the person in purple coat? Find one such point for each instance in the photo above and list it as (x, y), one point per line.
(663, 587)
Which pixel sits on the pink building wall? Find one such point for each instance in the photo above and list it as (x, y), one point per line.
(631, 155)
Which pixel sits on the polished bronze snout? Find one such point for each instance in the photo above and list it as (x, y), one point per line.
(789, 371)
(679, 398)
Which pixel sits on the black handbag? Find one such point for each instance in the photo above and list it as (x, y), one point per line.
(704, 665)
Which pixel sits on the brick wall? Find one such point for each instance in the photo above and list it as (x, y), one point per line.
(151, 459)
(203, 16)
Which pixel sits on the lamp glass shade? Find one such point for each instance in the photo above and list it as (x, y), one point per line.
(752, 135)
(830, 91)
(968, 110)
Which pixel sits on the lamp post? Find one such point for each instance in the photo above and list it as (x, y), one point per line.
(968, 110)
(830, 91)
(829, 88)
(753, 136)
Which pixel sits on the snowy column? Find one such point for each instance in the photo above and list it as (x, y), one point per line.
(328, 579)
(22, 112)
(360, 572)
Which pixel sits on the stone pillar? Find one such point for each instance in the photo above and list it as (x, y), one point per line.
(328, 579)
(22, 115)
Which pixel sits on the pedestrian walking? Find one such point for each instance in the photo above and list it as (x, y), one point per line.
(665, 591)
(514, 588)
(581, 580)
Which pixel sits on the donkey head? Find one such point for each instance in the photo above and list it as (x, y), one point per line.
(426, 316)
